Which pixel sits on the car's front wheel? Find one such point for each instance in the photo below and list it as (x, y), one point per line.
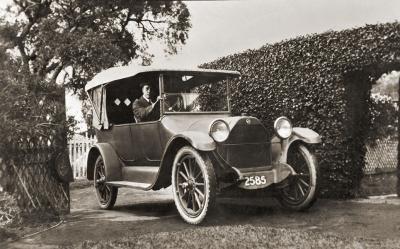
(106, 194)
(299, 190)
(193, 185)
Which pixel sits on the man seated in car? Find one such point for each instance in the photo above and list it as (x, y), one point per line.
(144, 109)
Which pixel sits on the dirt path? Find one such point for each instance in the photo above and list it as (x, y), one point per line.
(139, 212)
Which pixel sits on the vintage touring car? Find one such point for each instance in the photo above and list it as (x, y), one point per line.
(194, 142)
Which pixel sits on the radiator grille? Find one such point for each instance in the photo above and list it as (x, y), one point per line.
(246, 155)
(247, 145)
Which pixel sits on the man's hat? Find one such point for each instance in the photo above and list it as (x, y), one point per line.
(144, 84)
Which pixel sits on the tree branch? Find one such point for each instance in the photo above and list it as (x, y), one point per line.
(141, 25)
(32, 19)
(153, 21)
(21, 49)
(138, 20)
(57, 71)
(125, 22)
(51, 67)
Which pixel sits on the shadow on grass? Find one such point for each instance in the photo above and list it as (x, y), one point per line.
(161, 208)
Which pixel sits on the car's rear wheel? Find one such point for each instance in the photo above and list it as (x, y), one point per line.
(193, 185)
(106, 194)
(299, 190)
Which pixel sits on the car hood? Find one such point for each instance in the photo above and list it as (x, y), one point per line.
(176, 124)
(246, 146)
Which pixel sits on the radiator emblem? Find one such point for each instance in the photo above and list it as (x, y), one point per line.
(248, 121)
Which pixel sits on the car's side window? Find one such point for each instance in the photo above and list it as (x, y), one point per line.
(98, 97)
(121, 97)
(119, 104)
(95, 96)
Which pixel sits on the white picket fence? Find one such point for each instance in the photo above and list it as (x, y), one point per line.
(79, 147)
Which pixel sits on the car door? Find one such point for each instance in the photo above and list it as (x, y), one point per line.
(127, 150)
(119, 112)
(147, 136)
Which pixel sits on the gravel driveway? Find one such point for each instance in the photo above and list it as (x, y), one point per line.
(141, 213)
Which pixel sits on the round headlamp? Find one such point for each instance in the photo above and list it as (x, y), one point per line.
(283, 127)
(219, 131)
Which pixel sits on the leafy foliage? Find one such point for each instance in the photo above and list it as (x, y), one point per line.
(9, 211)
(29, 106)
(83, 37)
(311, 80)
(383, 118)
(49, 39)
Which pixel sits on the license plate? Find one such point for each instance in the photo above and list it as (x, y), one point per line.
(255, 181)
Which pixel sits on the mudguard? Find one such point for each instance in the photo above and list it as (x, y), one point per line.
(111, 161)
(280, 147)
(199, 140)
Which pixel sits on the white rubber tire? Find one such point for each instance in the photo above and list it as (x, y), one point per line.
(207, 170)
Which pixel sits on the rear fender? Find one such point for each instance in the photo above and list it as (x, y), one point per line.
(111, 161)
(280, 147)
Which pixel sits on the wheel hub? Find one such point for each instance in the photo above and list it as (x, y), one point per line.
(191, 183)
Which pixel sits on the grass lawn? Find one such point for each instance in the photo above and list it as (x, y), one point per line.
(242, 236)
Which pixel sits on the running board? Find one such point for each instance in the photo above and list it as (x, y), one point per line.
(141, 174)
(262, 177)
(135, 185)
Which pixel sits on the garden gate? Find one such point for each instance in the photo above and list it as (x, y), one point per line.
(373, 114)
(35, 169)
(381, 159)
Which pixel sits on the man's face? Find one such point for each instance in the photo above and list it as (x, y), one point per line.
(146, 91)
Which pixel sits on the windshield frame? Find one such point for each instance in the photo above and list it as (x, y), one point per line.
(164, 112)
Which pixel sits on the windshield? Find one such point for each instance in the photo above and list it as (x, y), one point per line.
(188, 93)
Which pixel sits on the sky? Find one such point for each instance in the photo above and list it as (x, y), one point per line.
(221, 28)
(224, 27)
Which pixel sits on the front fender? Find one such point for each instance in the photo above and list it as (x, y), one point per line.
(306, 135)
(280, 147)
(199, 140)
(111, 161)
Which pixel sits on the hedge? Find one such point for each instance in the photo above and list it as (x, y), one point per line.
(320, 81)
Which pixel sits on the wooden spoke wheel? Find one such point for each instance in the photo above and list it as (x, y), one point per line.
(299, 191)
(193, 184)
(106, 195)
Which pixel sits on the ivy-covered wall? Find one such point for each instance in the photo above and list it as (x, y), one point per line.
(320, 81)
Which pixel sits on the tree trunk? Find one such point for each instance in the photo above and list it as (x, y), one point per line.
(398, 145)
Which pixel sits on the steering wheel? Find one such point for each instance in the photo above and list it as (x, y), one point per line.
(178, 104)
